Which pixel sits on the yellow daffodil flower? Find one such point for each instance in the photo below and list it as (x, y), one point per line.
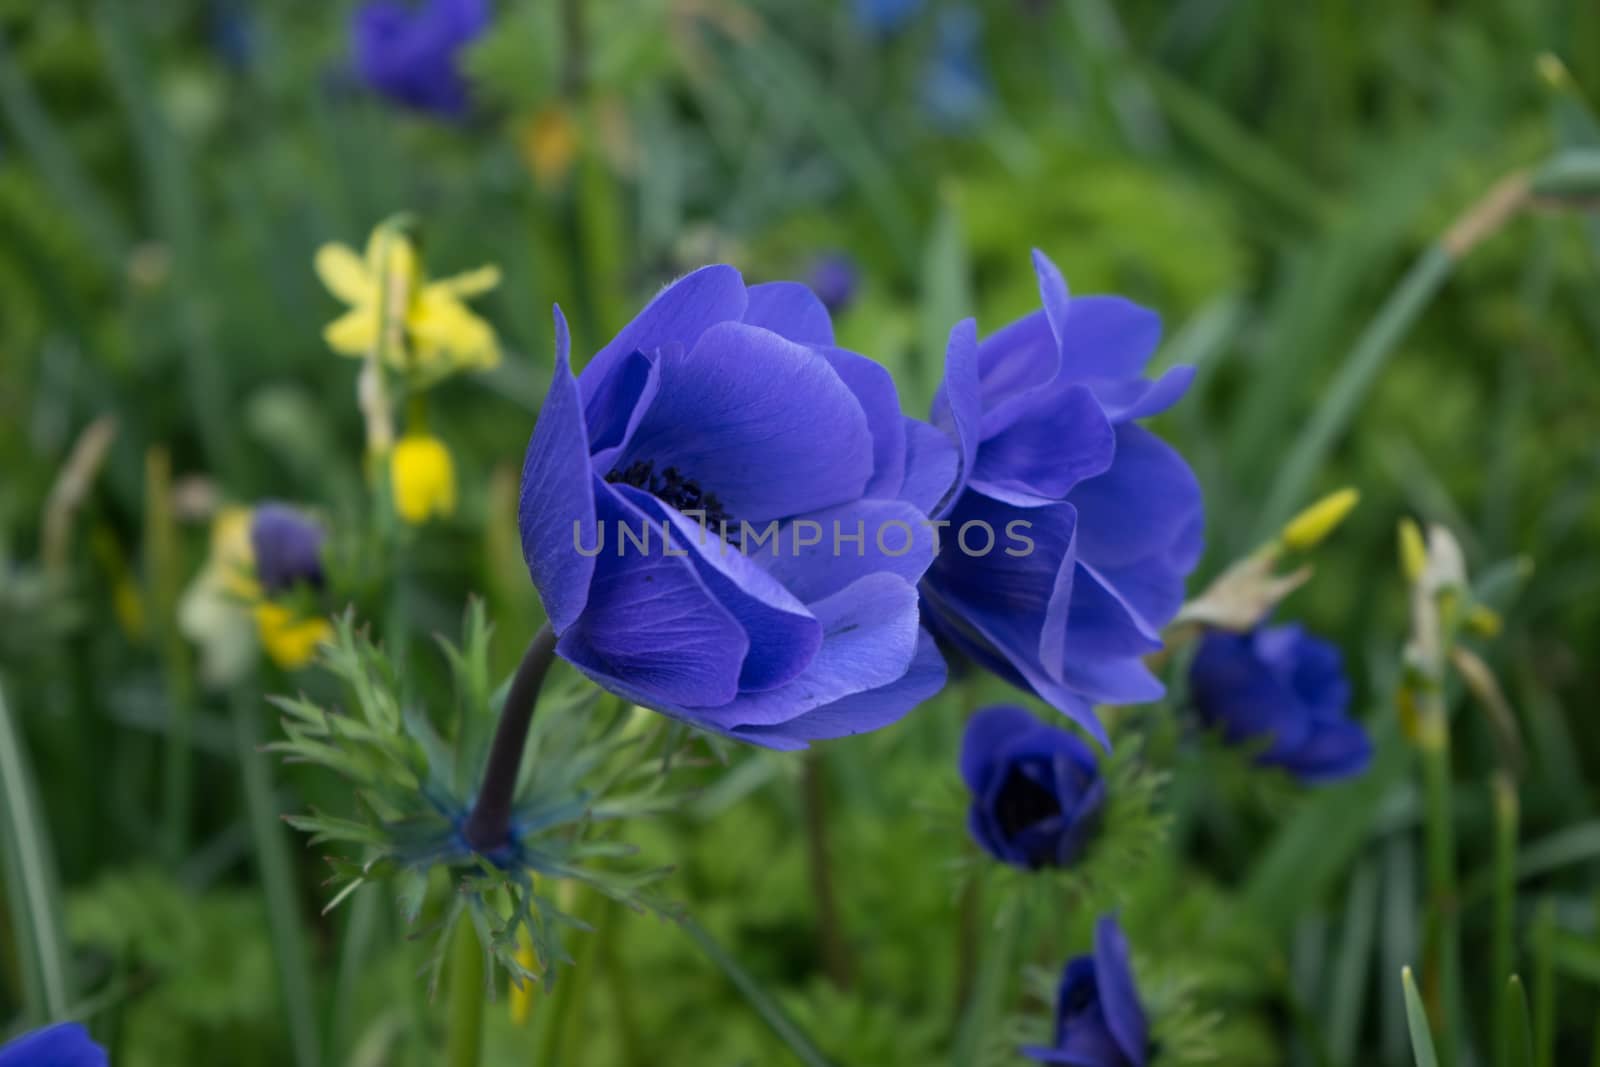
(423, 478)
(438, 333)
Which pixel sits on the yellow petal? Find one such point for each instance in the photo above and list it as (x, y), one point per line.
(355, 333)
(291, 642)
(423, 478)
(466, 285)
(446, 332)
(345, 275)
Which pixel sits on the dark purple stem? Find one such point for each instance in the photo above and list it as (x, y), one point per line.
(489, 823)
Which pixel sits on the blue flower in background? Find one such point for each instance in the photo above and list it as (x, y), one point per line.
(1280, 686)
(885, 17)
(1044, 417)
(287, 547)
(1036, 789)
(1099, 1020)
(834, 279)
(411, 54)
(232, 31)
(62, 1045)
(724, 416)
(955, 86)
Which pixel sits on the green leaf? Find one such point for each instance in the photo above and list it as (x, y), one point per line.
(1417, 1018)
(30, 879)
(1517, 1049)
(758, 998)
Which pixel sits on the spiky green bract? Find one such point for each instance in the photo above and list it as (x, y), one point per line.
(414, 785)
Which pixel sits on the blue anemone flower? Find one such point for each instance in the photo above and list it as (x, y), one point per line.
(1281, 686)
(1099, 1020)
(287, 547)
(1036, 789)
(834, 279)
(956, 91)
(61, 1045)
(1107, 518)
(725, 517)
(411, 54)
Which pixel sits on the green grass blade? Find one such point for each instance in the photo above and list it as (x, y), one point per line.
(1354, 962)
(1340, 402)
(1516, 1047)
(1417, 1019)
(49, 151)
(1326, 832)
(758, 998)
(1544, 986)
(276, 871)
(173, 204)
(30, 879)
(1505, 904)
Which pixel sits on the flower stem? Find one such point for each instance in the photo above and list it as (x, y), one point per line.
(490, 820)
(466, 997)
(819, 853)
(1439, 833)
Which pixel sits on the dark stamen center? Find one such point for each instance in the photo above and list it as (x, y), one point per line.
(675, 490)
(1023, 802)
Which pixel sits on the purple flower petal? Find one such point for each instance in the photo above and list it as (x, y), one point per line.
(874, 390)
(870, 636)
(783, 636)
(859, 713)
(1119, 997)
(1137, 508)
(986, 733)
(895, 538)
(620, 400)
(61, 1045)
(1043, 453)
(556, 512)
(763, 423)
(679, 314)
(651, 620)
(933, 465)
(791, 311)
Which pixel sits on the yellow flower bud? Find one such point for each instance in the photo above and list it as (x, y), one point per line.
(291, 642)
(1413, 554)
(1307, 529)
(423, 478)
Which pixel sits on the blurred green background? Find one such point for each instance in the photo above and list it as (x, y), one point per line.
(1266, 175)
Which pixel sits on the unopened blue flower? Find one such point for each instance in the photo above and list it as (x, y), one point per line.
(287, 547)
(724, 516)
(412, 53)
(834, 279)
(955, 86)
(62, 1045)
(1281, 687)
(1099, 1020)
(1036, 789)
(1044, 414)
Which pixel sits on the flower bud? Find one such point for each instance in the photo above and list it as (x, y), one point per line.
(1308, 529)
(423, 478)
(1413, 554)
